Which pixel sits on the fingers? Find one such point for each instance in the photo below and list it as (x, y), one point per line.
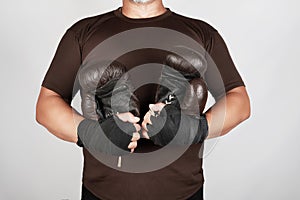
(145, 134)
(135, 137)
(137, 127)
(128, 117)
(144, 126)
(132, 146)
(146, 120)
(157, 107)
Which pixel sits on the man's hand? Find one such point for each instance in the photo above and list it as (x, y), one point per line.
(110, 106)
(110, 135)
(166, 123)
(129, 117)
(153, 109)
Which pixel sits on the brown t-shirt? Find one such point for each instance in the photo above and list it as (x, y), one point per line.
(183, 177)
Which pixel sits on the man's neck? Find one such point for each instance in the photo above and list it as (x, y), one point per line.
(142, 10)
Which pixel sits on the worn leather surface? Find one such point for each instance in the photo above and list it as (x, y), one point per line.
(106, 90)
(184, 91)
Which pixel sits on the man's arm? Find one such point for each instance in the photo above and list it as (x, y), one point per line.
(228, 112)
(62, 120)
(57, 116)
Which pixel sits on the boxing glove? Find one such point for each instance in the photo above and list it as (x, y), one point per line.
(183, 125)
(184, 92)
(180, 67)
(106, 91)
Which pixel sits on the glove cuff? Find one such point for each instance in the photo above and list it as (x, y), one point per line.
(79, 142)
(81, 130)
(202, 129)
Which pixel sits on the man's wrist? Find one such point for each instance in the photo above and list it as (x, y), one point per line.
(79, 142)
(203, 128)
(81, 129)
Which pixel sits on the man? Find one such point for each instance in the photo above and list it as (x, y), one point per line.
(182, 179)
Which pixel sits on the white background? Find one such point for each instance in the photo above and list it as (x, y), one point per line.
(257, 160)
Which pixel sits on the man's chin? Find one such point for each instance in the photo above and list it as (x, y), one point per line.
(142, 1)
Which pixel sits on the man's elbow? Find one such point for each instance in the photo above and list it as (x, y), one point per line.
(39, 113)
(241, 102)
(43, 105)
(42, 110)
(246, 108)
(246, 113)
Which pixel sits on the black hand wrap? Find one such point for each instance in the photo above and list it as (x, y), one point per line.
(171, 123)
(184, 91)
(117, 135)
(111, 92)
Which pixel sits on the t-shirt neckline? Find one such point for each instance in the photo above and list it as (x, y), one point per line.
(120, 15)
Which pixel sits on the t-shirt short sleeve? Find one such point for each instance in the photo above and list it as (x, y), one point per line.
(61, 74)
(221, 75)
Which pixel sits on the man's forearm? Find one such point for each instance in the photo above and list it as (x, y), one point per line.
(228, 112)
(57, 116)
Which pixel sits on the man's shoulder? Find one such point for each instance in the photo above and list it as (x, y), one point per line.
(89, 21)
(195, 21)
